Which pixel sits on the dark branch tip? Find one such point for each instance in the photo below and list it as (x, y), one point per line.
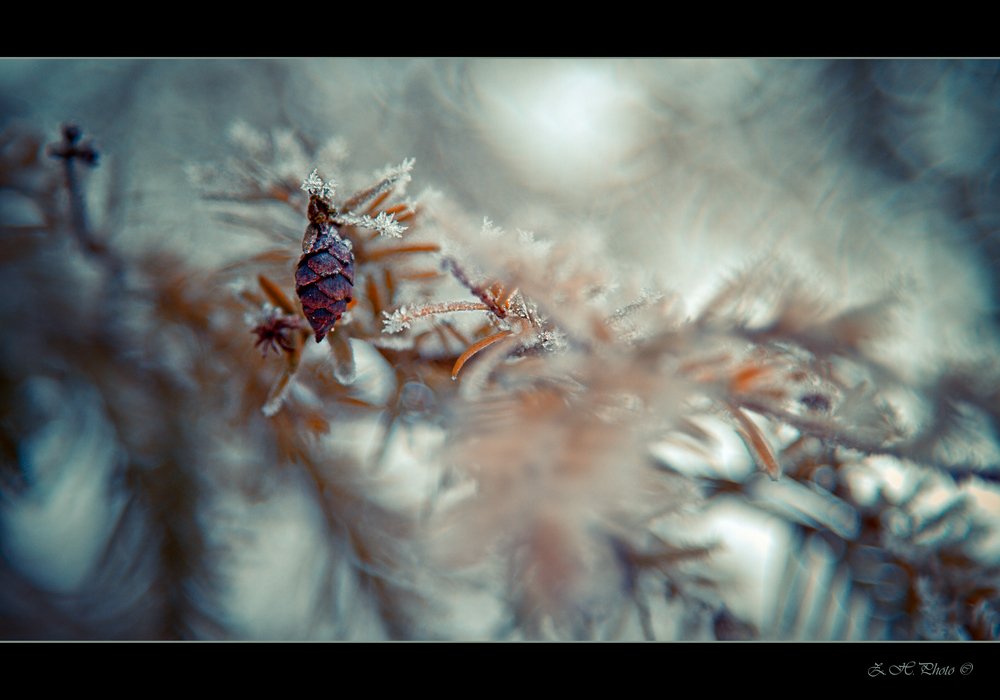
(71, 147)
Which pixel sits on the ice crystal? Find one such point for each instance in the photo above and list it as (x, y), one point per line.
(395, 322)
(384, 223)
(315, 186)
(394, 177)
(490, 231)
(399, 174)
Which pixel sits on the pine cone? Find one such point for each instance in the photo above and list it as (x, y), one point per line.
(324, 278)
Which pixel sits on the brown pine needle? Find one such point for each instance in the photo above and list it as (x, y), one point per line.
(317, 423)
(400, 250)
(746, 376)
(351, 401)
(374, 297)
(390, 284)
(475, 349)
(277, 297)
(377, 201)
(421, 275)
(756, 443)
(268, 257)
(279, 193)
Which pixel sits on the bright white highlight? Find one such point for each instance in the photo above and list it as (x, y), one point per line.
(564, 125)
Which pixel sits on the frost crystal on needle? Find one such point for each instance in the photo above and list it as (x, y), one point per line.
(396, 322)
(384, 223)
(315, 186)
(400, 174)
(394, 177)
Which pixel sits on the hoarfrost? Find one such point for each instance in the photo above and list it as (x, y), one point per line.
(396, 322)
(315, 186)
(384, 223)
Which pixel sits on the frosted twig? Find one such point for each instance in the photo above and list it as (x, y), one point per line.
(400, 319)
(399, 175)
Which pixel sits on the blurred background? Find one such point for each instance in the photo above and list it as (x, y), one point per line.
(861, 176)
